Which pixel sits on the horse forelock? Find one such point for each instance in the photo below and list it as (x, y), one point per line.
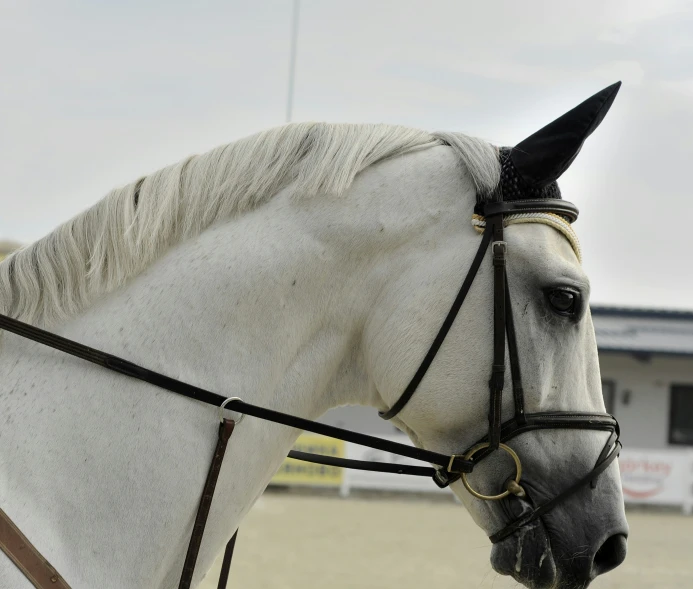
(132, 226)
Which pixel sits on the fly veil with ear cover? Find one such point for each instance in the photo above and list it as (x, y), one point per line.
(527, 192)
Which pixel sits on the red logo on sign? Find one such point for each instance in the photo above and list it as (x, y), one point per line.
(643, 478)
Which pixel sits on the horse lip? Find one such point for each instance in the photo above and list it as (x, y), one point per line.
(540, 574)
(525, 503)
(509, 557)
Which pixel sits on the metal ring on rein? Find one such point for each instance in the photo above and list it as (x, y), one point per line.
(512, 486)
(221, 409)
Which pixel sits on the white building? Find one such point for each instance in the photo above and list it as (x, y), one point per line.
(646, 359)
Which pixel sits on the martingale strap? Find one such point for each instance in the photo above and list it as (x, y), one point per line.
(27, 558)
(226, 562)
(225, 431)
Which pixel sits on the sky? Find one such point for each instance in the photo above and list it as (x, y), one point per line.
(95, 94)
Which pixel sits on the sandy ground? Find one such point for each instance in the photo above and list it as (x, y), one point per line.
(299, 541)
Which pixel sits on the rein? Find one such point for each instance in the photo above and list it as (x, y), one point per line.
(37, 569)
(451, 463)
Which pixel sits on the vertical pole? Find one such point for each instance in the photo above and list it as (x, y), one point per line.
(292, 62)
(344, 488)
(688, 486)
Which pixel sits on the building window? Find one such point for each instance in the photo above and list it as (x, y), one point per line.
(681, 415)
(609, 393)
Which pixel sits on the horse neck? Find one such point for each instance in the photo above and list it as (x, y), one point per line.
(247, 309)
(269, 307)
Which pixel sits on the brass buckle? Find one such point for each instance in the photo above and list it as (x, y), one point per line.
(515, 488)
(452, 459)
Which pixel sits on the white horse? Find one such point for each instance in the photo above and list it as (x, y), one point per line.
(303, 268)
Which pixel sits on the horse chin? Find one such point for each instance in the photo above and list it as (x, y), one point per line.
(526, 556)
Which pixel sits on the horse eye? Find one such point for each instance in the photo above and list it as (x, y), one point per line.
(563, 301)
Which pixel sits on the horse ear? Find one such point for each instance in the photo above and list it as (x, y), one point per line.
(544, 156)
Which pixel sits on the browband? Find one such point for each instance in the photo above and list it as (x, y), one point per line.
(558, 207)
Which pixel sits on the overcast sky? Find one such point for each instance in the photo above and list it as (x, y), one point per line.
(96, 94)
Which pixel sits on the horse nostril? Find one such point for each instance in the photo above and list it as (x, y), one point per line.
(611, 554)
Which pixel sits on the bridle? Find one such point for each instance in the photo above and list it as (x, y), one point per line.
(527, 185)
(501, 432)
(450, 467)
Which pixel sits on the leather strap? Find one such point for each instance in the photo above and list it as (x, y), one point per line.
(602, 464)
(518, 392)
(497, 382)
(418, 471)
(613, 439)
(225, 431)
(226, 563)
(453, 463)
(27, 558)
(442, 332)
(544, 420)
(557, 207)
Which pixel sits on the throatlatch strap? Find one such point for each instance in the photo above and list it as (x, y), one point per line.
(225, 431)
(444, 328)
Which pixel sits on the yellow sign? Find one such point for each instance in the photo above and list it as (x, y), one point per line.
(297, 472)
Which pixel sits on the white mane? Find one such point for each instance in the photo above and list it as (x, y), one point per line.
(114, 240)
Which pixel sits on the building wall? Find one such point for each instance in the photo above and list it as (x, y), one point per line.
(362, 419)
(642, 395)
(641, 400)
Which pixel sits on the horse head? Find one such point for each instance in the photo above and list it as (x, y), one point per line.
(551, 503)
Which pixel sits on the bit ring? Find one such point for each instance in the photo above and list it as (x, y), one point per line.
(518, 467)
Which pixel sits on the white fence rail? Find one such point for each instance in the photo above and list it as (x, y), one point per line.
(656, 477)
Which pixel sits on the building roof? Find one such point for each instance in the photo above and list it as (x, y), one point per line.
(643, 331)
